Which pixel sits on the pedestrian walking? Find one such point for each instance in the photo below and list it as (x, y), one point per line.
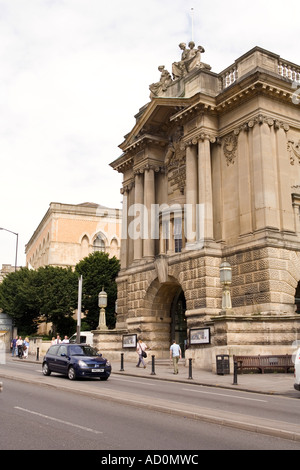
(14, 349)
(141, 350)
(20, 347)
(66, 339)
(175, 355)
(58, 340)
(26, 347)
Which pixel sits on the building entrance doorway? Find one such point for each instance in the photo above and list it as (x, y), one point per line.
(178, 321)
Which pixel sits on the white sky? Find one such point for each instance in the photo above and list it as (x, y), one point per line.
(73, 73)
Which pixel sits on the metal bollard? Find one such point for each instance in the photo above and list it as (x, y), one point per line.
(153, 365)
(1, 386)
(235, 366)
(122, 362)
(37, 354)
(190, 369)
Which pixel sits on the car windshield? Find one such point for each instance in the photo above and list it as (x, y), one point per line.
(79, 350)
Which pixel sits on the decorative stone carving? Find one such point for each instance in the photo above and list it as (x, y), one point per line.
(190, 59)
(229, 147)
(294, 151)
(165, 81)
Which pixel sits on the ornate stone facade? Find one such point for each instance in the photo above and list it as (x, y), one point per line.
(212, 171)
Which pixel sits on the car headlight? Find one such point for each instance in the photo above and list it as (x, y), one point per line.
(82, 363)
(107, 363)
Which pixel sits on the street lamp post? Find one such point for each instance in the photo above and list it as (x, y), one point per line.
(225, 279)
(17, 241)
(102, 303)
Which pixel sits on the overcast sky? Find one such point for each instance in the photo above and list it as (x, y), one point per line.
(73, 73)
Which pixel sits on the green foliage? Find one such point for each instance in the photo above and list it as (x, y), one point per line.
(19, 300)
(50, 294)
(57, 290)
(98, 270)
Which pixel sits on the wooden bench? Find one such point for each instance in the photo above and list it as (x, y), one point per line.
(264, 362)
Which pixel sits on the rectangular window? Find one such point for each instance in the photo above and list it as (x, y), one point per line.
(178, 234)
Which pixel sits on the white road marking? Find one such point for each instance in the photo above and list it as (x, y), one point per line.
(224, 395)
(58, 420)
(133, 381)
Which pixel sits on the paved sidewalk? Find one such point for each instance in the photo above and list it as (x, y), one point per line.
(272, 383)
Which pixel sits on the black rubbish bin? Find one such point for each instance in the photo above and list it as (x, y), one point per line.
(222, 364)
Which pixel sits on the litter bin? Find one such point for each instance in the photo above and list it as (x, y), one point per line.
(222, 364)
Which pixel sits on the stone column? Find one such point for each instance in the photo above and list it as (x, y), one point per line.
(265, 183)
(286, 213)
(124, 236)
(191, 194)
(244, 183)
(205, 209)
(149, 201)
(137, 212)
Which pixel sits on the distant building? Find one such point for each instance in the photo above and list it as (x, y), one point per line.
(68, 233)
(7, 269)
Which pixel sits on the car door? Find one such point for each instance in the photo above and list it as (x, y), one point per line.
(62, 359)
(51, 357)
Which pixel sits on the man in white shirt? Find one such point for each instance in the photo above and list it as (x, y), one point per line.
(175, 354)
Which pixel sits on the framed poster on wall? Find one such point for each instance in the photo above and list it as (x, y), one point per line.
(129, 341)
(200, 336)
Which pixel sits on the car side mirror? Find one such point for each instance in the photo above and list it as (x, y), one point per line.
(99, 354)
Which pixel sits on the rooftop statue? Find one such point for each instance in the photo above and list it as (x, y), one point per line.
(157, 88)
(190, 60)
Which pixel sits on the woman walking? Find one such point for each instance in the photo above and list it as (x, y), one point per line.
(141, 350)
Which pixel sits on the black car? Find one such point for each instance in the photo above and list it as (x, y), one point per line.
(76, 360)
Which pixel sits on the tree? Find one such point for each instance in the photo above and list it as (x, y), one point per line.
(48, 294)
(18, 299)
(98, 270)
(57, 290)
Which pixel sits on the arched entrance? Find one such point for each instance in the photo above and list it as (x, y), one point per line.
(178, 320)
(165, 303)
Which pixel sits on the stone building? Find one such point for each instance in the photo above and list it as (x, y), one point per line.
(211, 173)
(68, 233)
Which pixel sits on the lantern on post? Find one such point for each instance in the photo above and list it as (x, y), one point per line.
(226, 279)
(102, 303)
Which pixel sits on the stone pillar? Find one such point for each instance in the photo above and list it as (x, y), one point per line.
(191, 194)
(244, 184)
(124, 236)
(149, 201)
(137, 212)
(265, 183)
(205, 209)
(286, 214)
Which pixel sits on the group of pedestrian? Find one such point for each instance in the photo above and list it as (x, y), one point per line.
(58, 340)
(20, 347)
(175, 354)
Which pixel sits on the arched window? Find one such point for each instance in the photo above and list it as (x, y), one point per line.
(99, 244)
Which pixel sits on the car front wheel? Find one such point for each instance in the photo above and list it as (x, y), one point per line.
(71, 373)
(45, 369)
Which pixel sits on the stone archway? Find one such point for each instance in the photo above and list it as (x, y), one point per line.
(166, 302)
